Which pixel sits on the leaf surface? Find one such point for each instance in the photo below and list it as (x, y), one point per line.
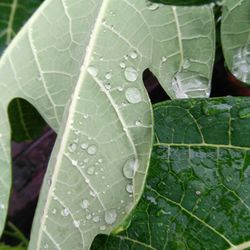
(235, 36)
(198, 185)
(95, 53)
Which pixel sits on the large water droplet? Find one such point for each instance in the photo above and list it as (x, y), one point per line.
(72, 147)
(130, 168)
(130, 188)
(244, 113)
(92, 150)
(241, 64)
(190, 84)
(131, 74)
(93, 71)
(133, 95)
(85, 204)
(110, 216)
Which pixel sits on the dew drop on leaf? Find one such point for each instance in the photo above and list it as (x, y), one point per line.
(91, 170)
(133, 95)
(244, 113)
(85, 204)
(152, 6)
(131, 74)
(107, 86)
(241, 64)
(102, 228)
(65, 212)
(93, 71)
(130, 168)
(122, 65)
(189, 84)
(129, 188)
(76, 223)
(92, 150)
(96, 218)
(108, 76)
(133, 55)
(72, 147)
(110, 216)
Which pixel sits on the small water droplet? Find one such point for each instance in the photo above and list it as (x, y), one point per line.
(72, 147)
(93, 71)
(198, 192)
(46, 246)
(96, 219)
(214, 107)
(120, 89)
(164, 59)
(92, 193)
(91, 170)
(133, 55)
(54, 211)
(107, 86)
(152, 6)
(108, 76)
(102, 228)
(89, 216)
(122, 65)
(85, 204)
(84, 146)
(130, 188)
(244, 113)
(76, 223)
(92, 150)
(85, 116)
(133, 95)
(100, 160)
(152, 200)
(186, 64)
(110, 216)
(130, 168)
(131, 74)
(138, 123)
(39, 78)
(65, 212)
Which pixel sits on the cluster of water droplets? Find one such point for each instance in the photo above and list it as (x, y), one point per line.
(241, 64)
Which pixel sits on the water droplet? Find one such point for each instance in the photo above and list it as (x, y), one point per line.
(110, 216)
(241, 63)
(152, 200)
(39, 78)
(152, 6)
(76, 223)
(89, 216)
(186, 64)
(133, 95)
(138, 123)
(46, 246)
(133, 55)
(102, 228)
(107, 86)
(93, 71)
(130, 168)
(92, 150)
(85, 116)
(54, 211)
(120, 89)
(85, 204)
(100, 160)
(65, 212)
(91, 170)
(96, 218)
(72, 147)
(164, 59)
(108, 76)
(198, 192)
(131, 74)
(190, 84)
(244, 113)
(84, 146)
(122, 65)
(93, 193)
(130, 188)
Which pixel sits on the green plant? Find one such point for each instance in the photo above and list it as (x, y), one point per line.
(80, 64)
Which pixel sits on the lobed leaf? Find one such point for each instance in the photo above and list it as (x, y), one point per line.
(91, 55)
(198, 185)
(235, 36)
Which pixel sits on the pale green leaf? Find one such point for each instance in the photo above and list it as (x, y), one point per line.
(95, 53)
(198, 185)
(235, 36)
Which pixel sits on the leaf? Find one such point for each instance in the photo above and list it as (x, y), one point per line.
(93, 53)
(13, 14)
(235, 36)
(6, 247)
(198, 185)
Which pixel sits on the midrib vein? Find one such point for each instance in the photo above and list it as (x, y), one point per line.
(179, 37)
(72, 108)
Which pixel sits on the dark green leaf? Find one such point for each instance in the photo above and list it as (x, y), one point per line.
(197, 191)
